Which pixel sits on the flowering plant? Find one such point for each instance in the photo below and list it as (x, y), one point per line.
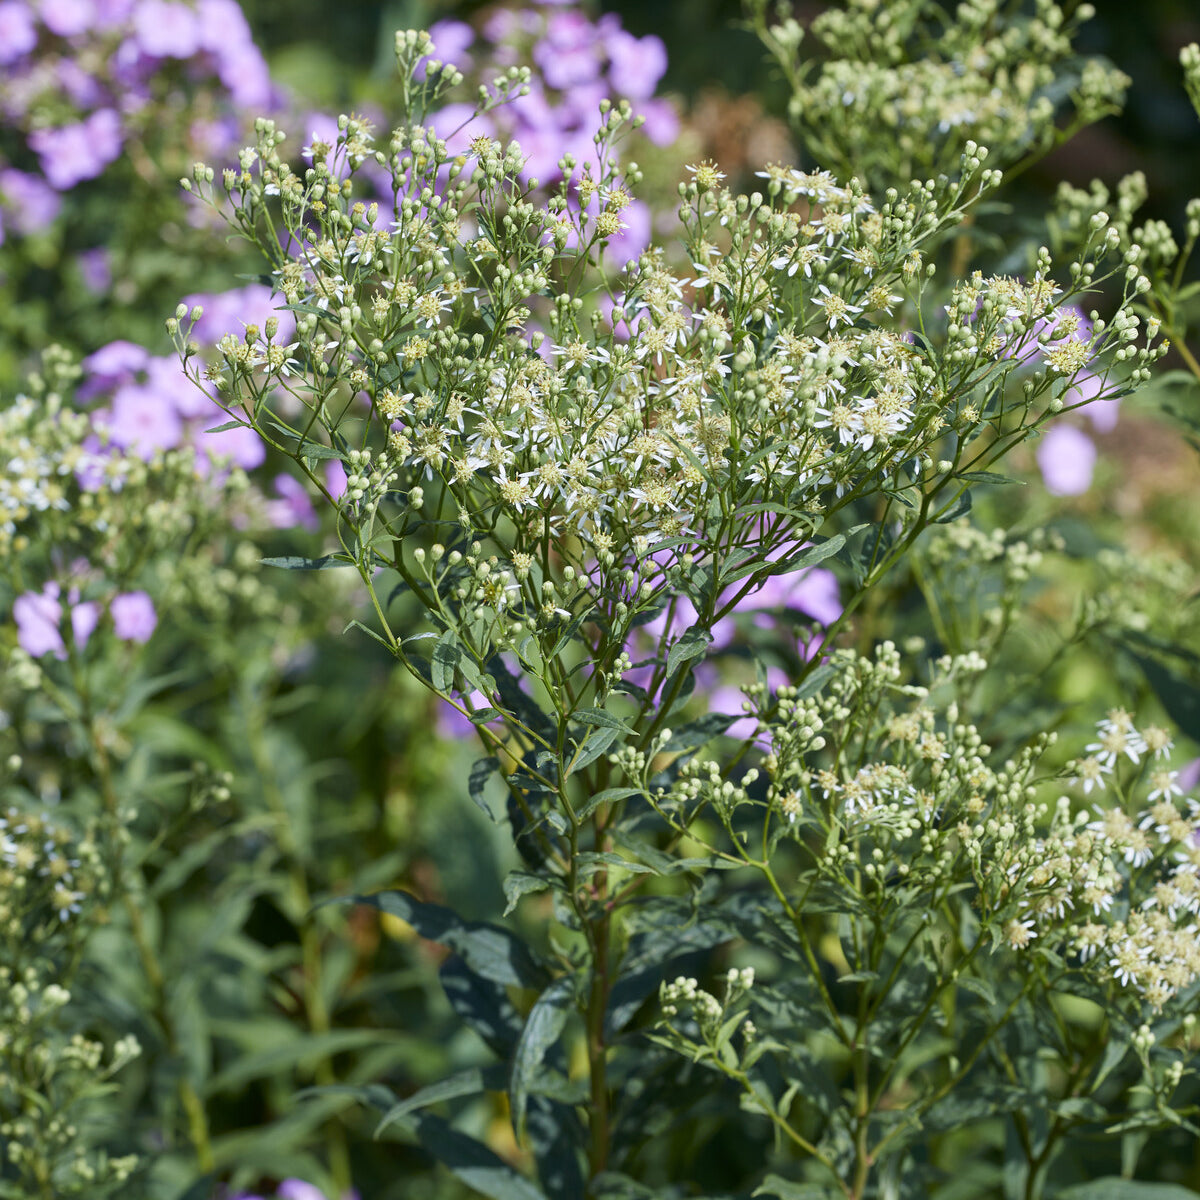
(917, 925)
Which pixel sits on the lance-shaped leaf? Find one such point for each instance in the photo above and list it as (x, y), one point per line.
(490, 951)
(470, 1082)
(542, 1030)
(472, 1162)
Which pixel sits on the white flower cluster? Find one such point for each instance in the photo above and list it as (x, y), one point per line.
(42, 450)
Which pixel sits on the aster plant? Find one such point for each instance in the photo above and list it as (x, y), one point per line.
(838, 927)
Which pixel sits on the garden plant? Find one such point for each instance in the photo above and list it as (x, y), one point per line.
(828, 830)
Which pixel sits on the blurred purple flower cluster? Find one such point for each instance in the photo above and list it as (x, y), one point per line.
(39, 619)
(577, 63)
(293, 1189)
(144, 403)
(84, 79)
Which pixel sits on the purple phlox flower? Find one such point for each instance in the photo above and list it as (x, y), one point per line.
(1066, 457)
(457, 125)
(91, 470)
(215, 138)
(244, 71)
(453, 725)
(723, 698)
(37, 615)
(70, 154)
(322, 128)
(66, 18)
(629, 243)
(143, 421)
(298, 1189)
(240, 446)
(220, 24)
(635, 64)
(18, 34)
(335, 478)
(232, 311)
(80, 85)
(30, 203)
(95, 269)
(569, 54)
(111, 12)
(165, 29)
(452, 41)
(166, 377)
(85, 616)
(1189, 775)
(134, 618)
(116, 363)
(294, 506)
(661, 125)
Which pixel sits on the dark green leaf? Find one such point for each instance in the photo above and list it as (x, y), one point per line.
(600, 718)
(1180, 698)
(300, 1051)
(446, 655)
(521, 883)
(691, 644)
(959, 507)
(472, 1162)
(487, 950)
(470, 1082)
(481, 771)
(608, 796)
(989, 477)
(227, 426)
(294, 563)
(482, 1004)
(815, 682)
(785, 1189)
(1115, 1188)
(542, 1030)
(202, 1189)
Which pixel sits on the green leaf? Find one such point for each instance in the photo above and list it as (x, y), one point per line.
(542, 1029)
(595, 746)
(1115, 1188)
(959, 507)
(488, 950)
(470, 1082)
(815, 682)
(785, 1189)
(600, 718)
(1179, 697)
(300, 1051)
(691, 644)
(227, 426)
(472, 1162)
(482, 1004)
(522, 883)
(202, 1189)
(608, 796)
(482, 769)
(446, 655)
(485, 716)
(293, 563)
(989, 477)
(980, 987)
